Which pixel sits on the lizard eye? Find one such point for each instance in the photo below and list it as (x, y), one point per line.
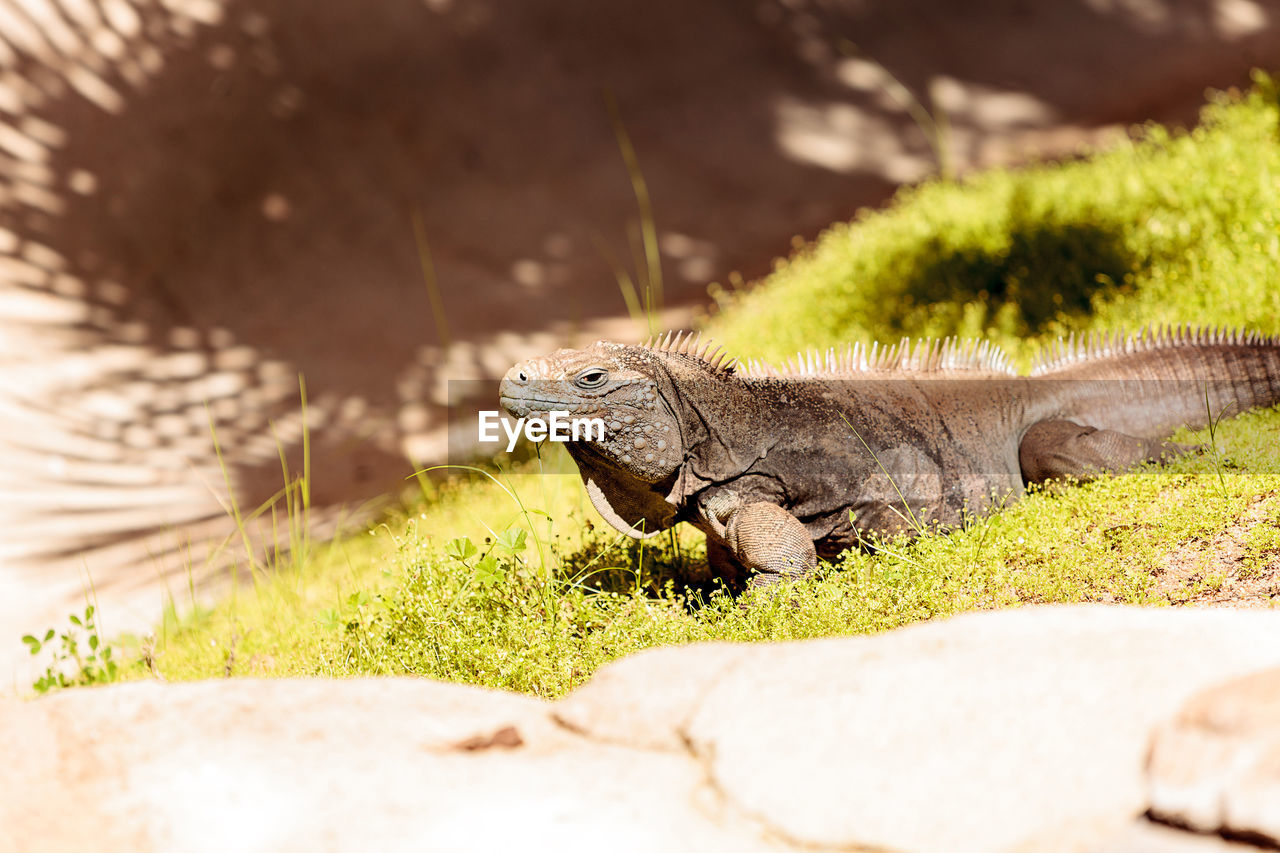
(592, 377)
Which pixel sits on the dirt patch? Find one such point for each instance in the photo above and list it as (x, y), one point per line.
(1225, 571)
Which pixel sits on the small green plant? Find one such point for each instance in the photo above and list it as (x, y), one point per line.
(910, 518)
(1213, 437)
(489, 570)
(443, 338)
(91, 657)
(642, 292)
(933, 123)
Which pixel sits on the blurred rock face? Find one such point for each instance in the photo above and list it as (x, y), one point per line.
(202, 200)
(1021, 731)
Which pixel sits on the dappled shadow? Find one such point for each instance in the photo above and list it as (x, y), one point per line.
(1009, 75)
(1047, 271)
(660, 568)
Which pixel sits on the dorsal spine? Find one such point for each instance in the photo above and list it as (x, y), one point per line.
(1095, 347)
(926, 356)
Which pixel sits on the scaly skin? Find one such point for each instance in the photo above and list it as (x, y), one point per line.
(778, 468)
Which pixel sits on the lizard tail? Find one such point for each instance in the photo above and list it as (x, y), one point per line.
(1151, 383)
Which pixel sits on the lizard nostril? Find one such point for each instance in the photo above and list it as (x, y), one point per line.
(522, 376)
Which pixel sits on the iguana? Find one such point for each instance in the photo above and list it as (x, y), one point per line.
(779, 466)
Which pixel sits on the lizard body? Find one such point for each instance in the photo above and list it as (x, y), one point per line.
(771, 463)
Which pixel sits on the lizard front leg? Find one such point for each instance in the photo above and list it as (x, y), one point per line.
(763, 537)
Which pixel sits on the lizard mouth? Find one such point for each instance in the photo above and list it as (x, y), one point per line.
(525, 405)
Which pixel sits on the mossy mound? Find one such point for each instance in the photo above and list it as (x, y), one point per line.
(1171, 228)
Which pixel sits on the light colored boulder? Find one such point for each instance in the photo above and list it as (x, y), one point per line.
(990, 731)
(371, 764)
(1023, 730)
(644, 700)
(1216, 766)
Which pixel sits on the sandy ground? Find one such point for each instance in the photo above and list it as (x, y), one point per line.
(201, 200)
(1220, 571)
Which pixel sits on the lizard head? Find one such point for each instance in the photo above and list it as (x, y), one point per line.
(637, 473)
(619, 385)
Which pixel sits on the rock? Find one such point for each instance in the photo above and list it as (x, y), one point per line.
(985, 732)
(1216, 766)
(615, 708)
(1144, 836)
(369, 764)
(1022, 730)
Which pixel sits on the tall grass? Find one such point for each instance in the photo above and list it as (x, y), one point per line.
(642, 292)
